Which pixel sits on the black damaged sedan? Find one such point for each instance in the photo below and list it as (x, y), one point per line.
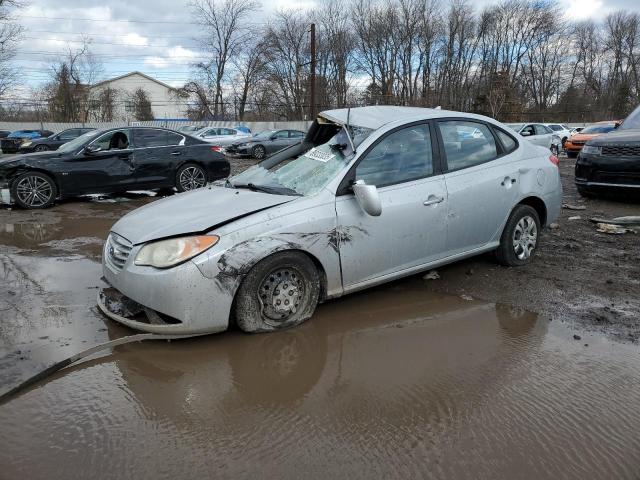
(611, 161)
(109, 161)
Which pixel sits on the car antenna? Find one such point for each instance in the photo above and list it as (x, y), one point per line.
(346, 128)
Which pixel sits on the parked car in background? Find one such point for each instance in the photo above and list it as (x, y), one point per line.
(324, 218)
(266, 143)
(112, 160)
(191, 129)
(539, 134)
(611, 161)
(12, 142)
(54, 141)
(223, 134)
(561, 130)
(577, 141)
(576, 130)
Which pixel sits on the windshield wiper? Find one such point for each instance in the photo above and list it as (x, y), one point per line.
(266, 189)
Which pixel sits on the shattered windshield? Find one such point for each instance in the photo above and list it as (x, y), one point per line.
(306, 174)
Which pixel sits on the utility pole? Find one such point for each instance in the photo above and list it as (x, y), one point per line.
(312, 78)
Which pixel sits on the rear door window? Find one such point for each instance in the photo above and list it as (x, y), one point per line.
(463, 150)
(174, 139)
(542, 130)
(149, 137)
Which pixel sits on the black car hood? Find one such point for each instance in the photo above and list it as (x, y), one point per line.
(617, 137)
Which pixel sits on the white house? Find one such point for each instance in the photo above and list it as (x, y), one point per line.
(165, 102)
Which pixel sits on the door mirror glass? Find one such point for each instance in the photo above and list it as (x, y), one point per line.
(525, 133)
(368, 198)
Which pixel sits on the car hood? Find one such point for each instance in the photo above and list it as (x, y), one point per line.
(618, 136)
(583, 137)
(197, 211)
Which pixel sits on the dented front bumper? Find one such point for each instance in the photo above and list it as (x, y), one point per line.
(181, 299)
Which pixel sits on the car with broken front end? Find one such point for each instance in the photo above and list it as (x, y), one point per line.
(111, 161)
(372, 194)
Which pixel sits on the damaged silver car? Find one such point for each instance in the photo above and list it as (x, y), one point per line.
(371, 195)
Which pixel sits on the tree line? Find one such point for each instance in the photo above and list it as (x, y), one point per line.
(512, 60)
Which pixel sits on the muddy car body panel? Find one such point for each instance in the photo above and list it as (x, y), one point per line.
(457, 210)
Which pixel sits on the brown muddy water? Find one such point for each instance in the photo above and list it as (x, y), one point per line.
(394, 382)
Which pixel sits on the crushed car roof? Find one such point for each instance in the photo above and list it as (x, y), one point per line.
(376, 116)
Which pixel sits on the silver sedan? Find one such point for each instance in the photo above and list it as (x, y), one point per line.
(372, 194)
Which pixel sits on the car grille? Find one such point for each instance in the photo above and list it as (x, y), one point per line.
(117, 251)
(621, 150)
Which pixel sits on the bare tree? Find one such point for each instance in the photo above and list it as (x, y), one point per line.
(225, 26)
(10, 33)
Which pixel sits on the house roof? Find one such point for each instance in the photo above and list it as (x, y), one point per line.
(131, 74)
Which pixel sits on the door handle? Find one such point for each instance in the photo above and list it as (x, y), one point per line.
(433, 201)
(176, 153)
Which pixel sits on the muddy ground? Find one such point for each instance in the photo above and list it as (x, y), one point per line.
(486, 372)
(588, 279)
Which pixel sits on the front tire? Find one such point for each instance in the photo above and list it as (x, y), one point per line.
(258, 152)
(520, 237)
(34, 190)
(280, 291)
(190, 176)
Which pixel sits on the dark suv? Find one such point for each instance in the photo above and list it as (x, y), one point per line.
(611, 161)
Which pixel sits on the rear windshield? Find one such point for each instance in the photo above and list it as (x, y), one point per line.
(632, 122)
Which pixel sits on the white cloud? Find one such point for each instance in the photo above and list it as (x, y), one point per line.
(583, 9)
(135, 40)
(175, 56)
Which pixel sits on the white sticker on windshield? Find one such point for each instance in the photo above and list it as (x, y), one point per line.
(315, 154)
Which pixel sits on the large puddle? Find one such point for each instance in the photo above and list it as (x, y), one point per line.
(392, 382)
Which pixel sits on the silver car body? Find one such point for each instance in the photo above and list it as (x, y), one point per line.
(216, 135)
(424, 223)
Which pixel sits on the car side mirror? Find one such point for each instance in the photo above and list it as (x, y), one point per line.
(525, 134)
(273, 137)
(368, 198)
(92, 150)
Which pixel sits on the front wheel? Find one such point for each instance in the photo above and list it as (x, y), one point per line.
(519, 237)
(279, 292)
(190, 176)
(33, 190)
(258, 152)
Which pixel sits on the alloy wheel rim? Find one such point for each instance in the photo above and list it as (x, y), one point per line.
(525, 237)
(192, 177)
(280, 295)
(34, 191)
(259, 152)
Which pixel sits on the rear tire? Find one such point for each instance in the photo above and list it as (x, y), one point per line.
(279, 292)
(520, 237)
(571, 154)
(34, 190)
(190, 176)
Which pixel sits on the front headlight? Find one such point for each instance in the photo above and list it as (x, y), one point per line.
(26, 143)
(593, 150)
(167, 253)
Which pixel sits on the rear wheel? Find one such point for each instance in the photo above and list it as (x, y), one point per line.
(258, 152)
(279, 292)
(519, 237)
(190, 176)
(571, 154)
(34, 190)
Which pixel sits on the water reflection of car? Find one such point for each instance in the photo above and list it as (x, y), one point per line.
(575, 142)
(12, 142)
(112, 160)
(266, 143)
(325, 217)
(611, 161)
(54, 141)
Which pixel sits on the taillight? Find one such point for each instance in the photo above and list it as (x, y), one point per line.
(553, 159)
(216, 148)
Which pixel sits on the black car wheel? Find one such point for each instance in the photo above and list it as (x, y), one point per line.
(279, 292)
(571, 154)
(520, 237)
(34, 190)
(190, 176)
(41, 148)
(258, 152)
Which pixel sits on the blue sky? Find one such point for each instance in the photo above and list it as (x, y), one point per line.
(157, 38)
